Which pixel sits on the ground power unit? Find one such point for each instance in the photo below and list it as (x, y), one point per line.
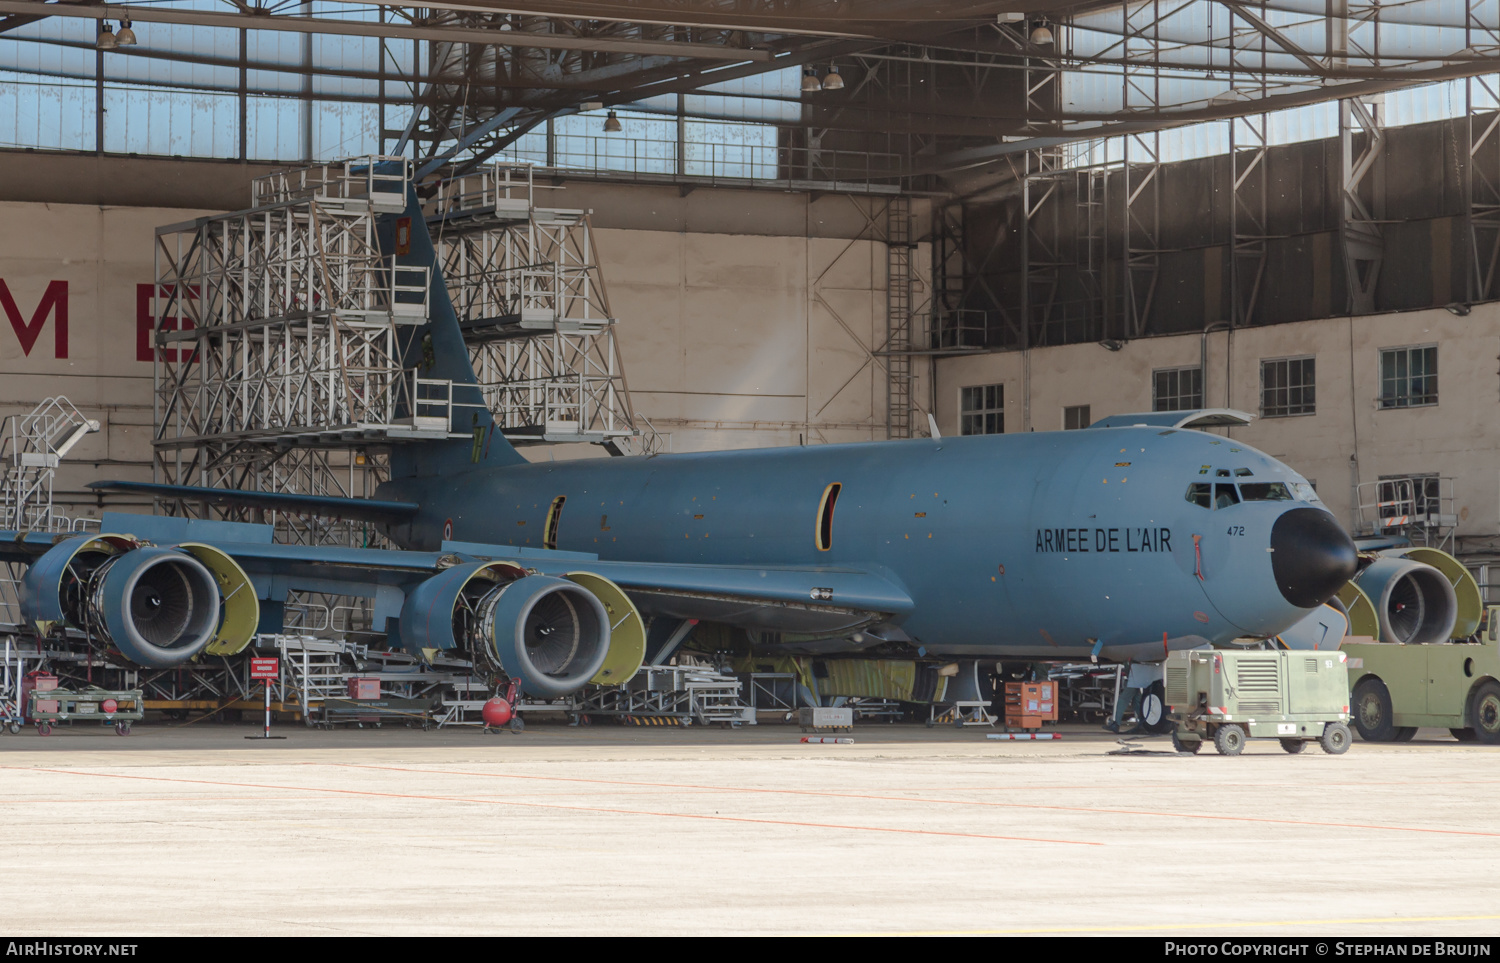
(1227, 696)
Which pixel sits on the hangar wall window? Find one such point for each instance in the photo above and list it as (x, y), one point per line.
(982, 410)
(1076, 416)
(1288, 387)
(1408, 376)
(1176, 389)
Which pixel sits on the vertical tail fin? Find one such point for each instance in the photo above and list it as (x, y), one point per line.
(436, 352)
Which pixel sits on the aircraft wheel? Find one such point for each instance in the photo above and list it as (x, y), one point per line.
(1153, 710)
(1372, 712)
(1229, 740)
(1463, 735)
(1335, 739)
(1406, 733)
(1182, 745)
(1293, 746)
(517, 724)
(1484, 713)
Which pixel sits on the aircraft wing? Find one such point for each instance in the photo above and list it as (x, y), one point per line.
(358, 509)
(803, 600)
(811, 600)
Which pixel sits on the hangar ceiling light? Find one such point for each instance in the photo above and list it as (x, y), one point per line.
(126, 36)
(107, 39)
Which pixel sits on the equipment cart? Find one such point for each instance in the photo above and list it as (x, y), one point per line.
(375, 712)
(107, 707)
(1227, 697)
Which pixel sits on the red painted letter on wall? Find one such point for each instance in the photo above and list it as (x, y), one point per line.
(55, 300)
(145, 329)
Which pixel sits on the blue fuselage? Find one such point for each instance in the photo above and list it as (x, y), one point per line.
(1050, 544)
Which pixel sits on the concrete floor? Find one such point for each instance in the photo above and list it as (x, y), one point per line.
(608, 830)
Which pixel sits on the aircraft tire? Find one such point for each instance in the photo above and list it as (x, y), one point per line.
(1372, 711)
(1335, 740)
(1293, 746)
(1463, 735)
(1229, 740)
(1185, 746)
(1406, 733)
(1484, 713)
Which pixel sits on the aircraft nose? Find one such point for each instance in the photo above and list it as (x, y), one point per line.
(1311, 556)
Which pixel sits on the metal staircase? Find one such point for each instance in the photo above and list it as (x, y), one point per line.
(31, 447)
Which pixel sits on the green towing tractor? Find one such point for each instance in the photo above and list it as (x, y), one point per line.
(1455, 685)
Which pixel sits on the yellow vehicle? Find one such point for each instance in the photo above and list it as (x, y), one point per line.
(1396, 688)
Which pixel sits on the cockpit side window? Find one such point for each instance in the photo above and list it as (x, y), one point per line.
(1265, 492)
(1201, 495)
(1225, 495)
(1243, 473)
(1221, 473)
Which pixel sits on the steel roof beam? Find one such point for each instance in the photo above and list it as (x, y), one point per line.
(1237, 7)
(353, 28)
(972, 157)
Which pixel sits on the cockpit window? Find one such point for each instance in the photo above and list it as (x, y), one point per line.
(1225, 495)
(1222, 473)
(1243, 473)
(1265, 492)
(1201, 495)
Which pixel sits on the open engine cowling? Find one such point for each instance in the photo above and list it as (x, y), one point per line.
(549, 633)
(492, 605)
(158, 606)
(1414, 602)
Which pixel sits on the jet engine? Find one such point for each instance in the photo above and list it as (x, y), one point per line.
(552, 634)
(1414, 602)
(549, 633)
(158, 606)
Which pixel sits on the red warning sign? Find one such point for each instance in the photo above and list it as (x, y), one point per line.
(264, 668)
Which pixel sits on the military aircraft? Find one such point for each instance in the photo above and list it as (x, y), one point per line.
(1138, 536)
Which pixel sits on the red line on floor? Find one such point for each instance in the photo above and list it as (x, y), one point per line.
(949, 802)
(588, 809)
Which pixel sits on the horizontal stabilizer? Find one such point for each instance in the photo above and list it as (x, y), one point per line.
(332, 506)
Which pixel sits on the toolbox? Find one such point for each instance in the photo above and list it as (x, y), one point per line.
(1029, 704)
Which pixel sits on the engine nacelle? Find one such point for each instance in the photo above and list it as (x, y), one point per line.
(1465, 589)
(440, 611)
(1414, 602)
(158, 606)
(550, 634)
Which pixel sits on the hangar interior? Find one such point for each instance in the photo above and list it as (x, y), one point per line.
(782, 223)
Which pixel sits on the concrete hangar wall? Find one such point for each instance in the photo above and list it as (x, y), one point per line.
(1347, 439)
(747, 318)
